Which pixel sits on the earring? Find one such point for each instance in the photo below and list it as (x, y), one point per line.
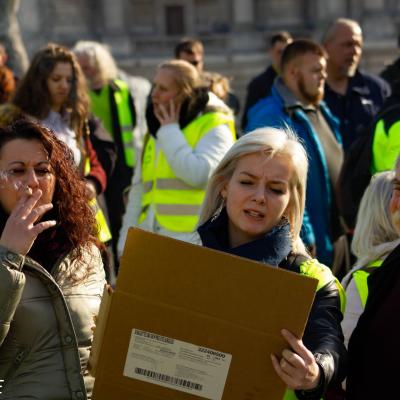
(219, 209)
(223, 203)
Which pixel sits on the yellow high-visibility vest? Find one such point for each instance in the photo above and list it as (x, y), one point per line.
(103, 231)
(176, 203)
(361, 280)
(125, 119)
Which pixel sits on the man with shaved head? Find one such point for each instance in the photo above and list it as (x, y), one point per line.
(353, 96)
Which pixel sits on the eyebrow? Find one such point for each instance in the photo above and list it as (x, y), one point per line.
(22, 163)
(255, 177)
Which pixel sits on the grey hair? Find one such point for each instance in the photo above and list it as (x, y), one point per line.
(331, 31)
(100, 56)
(271, 142)
(375, 234)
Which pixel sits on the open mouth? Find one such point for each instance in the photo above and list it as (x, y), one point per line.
(254, 214)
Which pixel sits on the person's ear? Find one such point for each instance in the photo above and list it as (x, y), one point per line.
(224, 191)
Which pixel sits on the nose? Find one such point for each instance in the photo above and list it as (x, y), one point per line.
(31, 179)
(355, 50)
(259, 194)
(64, 84)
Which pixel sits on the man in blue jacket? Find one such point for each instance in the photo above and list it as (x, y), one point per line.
(296, 102)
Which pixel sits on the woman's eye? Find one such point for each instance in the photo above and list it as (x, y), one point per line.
(277, 191)
(246, 182)
(42, 172)
(16, 171)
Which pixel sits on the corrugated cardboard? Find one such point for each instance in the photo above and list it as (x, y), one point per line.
(204, 297)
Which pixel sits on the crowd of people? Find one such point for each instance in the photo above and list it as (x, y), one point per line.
(85, 155)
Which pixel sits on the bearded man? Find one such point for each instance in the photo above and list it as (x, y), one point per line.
(353, 96)
(296, 102)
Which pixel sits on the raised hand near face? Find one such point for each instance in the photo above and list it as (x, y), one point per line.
(22, 226)
(167, 114)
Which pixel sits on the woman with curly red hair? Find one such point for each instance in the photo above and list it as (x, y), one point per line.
(51, 271)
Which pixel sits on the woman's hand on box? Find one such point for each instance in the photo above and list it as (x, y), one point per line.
(297, 366)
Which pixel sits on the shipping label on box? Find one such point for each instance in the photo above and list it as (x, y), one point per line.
(177, 365)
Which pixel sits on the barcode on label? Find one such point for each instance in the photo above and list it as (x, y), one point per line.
(169, 379)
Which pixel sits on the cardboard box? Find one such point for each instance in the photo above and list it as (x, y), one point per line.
(187, 322)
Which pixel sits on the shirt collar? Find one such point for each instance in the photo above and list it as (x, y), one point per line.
(289, 99)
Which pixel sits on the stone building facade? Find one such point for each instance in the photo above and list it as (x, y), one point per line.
(141, 33)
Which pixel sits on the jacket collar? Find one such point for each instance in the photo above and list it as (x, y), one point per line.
(356, 84)
(289, 99)
(293, 106)
(271, 249)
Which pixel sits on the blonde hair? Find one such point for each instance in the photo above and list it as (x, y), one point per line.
(375, 233)
(187, 78)
(272, 142)
(99, 55)
(218, 84)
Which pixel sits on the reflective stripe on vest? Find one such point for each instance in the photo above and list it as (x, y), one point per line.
(125, 118)
(125, 121)
(361, 280)
(103, 231)
(177, 204)
(385, 147)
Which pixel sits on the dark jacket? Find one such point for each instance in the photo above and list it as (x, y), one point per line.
(257, 89)
(323, 334)
(364, 98)
(374, 345)
(391, 73)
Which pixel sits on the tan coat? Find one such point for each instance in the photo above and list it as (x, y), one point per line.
(45, 323)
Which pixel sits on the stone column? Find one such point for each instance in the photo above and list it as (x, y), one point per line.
(114, 12)
(10, 36)
(243, 15)
(115, 32)
(377, 23)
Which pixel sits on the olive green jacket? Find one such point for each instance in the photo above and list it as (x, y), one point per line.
(45, 326)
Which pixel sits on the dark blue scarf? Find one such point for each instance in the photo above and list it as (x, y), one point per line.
(271, 249)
